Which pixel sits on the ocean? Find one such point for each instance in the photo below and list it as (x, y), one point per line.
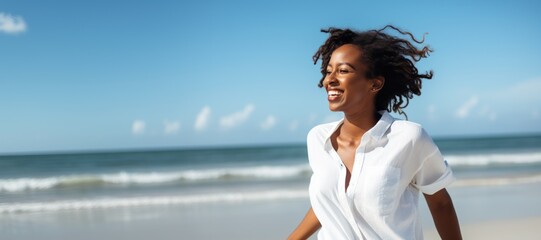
(207, 176)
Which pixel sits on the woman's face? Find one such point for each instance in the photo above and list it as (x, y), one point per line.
(348, 90)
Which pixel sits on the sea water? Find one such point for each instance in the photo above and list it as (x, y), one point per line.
(131, 179)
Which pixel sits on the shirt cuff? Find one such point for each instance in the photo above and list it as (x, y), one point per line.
(445, 180)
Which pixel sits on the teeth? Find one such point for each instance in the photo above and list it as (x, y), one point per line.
(334, 93)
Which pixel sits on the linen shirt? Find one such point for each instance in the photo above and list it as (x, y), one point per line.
(394, 162)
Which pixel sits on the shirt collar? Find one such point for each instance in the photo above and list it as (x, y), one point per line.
(382, 125)
(376, 132)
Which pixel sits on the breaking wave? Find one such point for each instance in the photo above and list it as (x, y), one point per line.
(125, 178)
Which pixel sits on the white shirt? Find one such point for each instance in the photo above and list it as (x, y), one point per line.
(395, 160)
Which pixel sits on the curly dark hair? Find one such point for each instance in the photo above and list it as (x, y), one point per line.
(385, 56)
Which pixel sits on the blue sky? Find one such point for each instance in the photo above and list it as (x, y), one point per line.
(90, 75)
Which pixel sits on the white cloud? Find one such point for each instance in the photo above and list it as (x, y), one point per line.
(138, 127)
(236, 118)
(488, 113)
(464, 110)
(202, 119)
(268, 123)
(171, 127)
(11, 24)
(525, 90)
(294, 125)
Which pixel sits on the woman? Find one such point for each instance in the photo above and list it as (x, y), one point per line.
(369, 168)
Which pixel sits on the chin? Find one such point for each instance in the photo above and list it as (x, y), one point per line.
(334, 109)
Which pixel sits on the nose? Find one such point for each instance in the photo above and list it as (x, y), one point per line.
(330, 79)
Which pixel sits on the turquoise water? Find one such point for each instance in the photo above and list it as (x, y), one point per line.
(82, 181)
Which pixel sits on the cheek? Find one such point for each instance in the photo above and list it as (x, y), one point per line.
(359, 94)
(358, 97)
(359, 89)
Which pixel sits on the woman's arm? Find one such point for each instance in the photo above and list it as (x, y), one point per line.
(444, 215)
(308, 226)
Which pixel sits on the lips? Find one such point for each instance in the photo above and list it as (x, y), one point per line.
(334, 94)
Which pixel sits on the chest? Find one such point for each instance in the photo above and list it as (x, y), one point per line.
(347, 156)
(376, 176)
(345, 151)
(372, 186)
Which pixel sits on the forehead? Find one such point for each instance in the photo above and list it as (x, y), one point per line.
(347, 53)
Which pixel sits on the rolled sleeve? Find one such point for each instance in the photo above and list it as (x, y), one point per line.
(434, 174)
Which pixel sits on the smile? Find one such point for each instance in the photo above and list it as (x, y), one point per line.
(334, 93)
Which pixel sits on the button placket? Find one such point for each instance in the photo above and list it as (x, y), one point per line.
(360, 154)
(342, 195)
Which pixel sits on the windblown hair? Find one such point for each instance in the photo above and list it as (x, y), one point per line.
(385, 56)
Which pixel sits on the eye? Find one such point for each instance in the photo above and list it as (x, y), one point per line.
(343, 71)
(327, 72)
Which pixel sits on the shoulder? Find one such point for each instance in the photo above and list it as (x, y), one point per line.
(409, 131)
(321, 132)
(412, 136)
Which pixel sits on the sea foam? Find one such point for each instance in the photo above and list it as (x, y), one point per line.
(104, 203)
(126, 178)
(488, 159)
(280, 172)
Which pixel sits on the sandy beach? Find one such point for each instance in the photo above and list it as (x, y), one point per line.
(493, 212)
(522, 228)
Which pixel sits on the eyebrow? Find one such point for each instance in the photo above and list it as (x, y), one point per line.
(344, 63)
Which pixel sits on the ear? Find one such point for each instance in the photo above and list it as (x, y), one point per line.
(377, 84)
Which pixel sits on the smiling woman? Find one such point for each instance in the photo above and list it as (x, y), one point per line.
(369, 168)
(347, 66)
(384, 58)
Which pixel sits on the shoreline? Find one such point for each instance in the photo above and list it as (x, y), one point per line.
(262, 220)
(485, 212)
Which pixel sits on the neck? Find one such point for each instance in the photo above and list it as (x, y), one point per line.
(355, 125)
